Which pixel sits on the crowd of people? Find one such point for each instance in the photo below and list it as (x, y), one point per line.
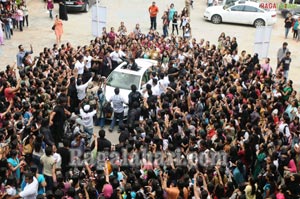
(212, 122)
(13, 16)
(292, 23)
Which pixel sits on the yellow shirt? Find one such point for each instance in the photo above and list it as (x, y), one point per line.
(48, 163)
(248, 191)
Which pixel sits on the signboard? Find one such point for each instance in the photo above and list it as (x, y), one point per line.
(262, 41)
(99, 14)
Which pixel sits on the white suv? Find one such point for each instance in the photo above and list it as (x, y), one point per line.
(123, 78)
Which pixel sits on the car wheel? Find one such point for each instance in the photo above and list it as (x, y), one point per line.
(216, 19)
(259, 22)
(86, 8)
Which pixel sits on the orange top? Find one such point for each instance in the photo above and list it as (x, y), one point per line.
(153, 10)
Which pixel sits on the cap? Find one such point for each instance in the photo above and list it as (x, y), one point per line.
(86, 108)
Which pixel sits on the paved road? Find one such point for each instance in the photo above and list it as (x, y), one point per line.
(78, 30)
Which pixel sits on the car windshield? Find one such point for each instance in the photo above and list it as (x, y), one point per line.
(122, 80)
(228, 5)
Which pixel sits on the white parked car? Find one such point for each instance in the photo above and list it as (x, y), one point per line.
(123, 78)
(242, 12)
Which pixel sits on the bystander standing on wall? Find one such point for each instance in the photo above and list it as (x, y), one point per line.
(153, 11)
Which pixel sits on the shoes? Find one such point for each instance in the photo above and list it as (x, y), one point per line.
(110, 130)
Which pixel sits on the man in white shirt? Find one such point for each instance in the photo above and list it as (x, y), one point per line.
(81, 88)
(181, 57)
(80, 64)
(87, 119)
(116, 57)
(31, 188)
(88, 59)
(155, 87)
(163, 83)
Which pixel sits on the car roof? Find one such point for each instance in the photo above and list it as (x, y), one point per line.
(248, 3)
(143, 65)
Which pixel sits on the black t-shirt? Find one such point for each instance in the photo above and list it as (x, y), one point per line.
(172, 70)
(72, 93)
(234, 45)
(103, 144)
(286, 61)
(66, 156)
(288, 23)
(134, 97)
(60, 116)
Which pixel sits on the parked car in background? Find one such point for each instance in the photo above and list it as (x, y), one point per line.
(241, 12)
(79, 5)
(286, 12)
(291, 7)
(123, 78)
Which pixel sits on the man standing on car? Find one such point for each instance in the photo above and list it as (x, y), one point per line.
(153, 10)
(117, 102)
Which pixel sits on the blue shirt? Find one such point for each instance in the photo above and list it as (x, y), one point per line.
(20, 57)
(238, 176)
(171, 14)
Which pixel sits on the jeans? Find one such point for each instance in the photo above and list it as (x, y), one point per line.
(101, 122)
(49, 181)
(287, 32)
(165, 30)
(36, 160)
(21, 25)
(50, 14)
(153, 23)
(286, 74)
(7, 31)
(295, 35)
(25, 18)
(118, 116)
(174, 26)
(89, 131)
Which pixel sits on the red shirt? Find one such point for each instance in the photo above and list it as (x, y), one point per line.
(9, 95)
(153, 11)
